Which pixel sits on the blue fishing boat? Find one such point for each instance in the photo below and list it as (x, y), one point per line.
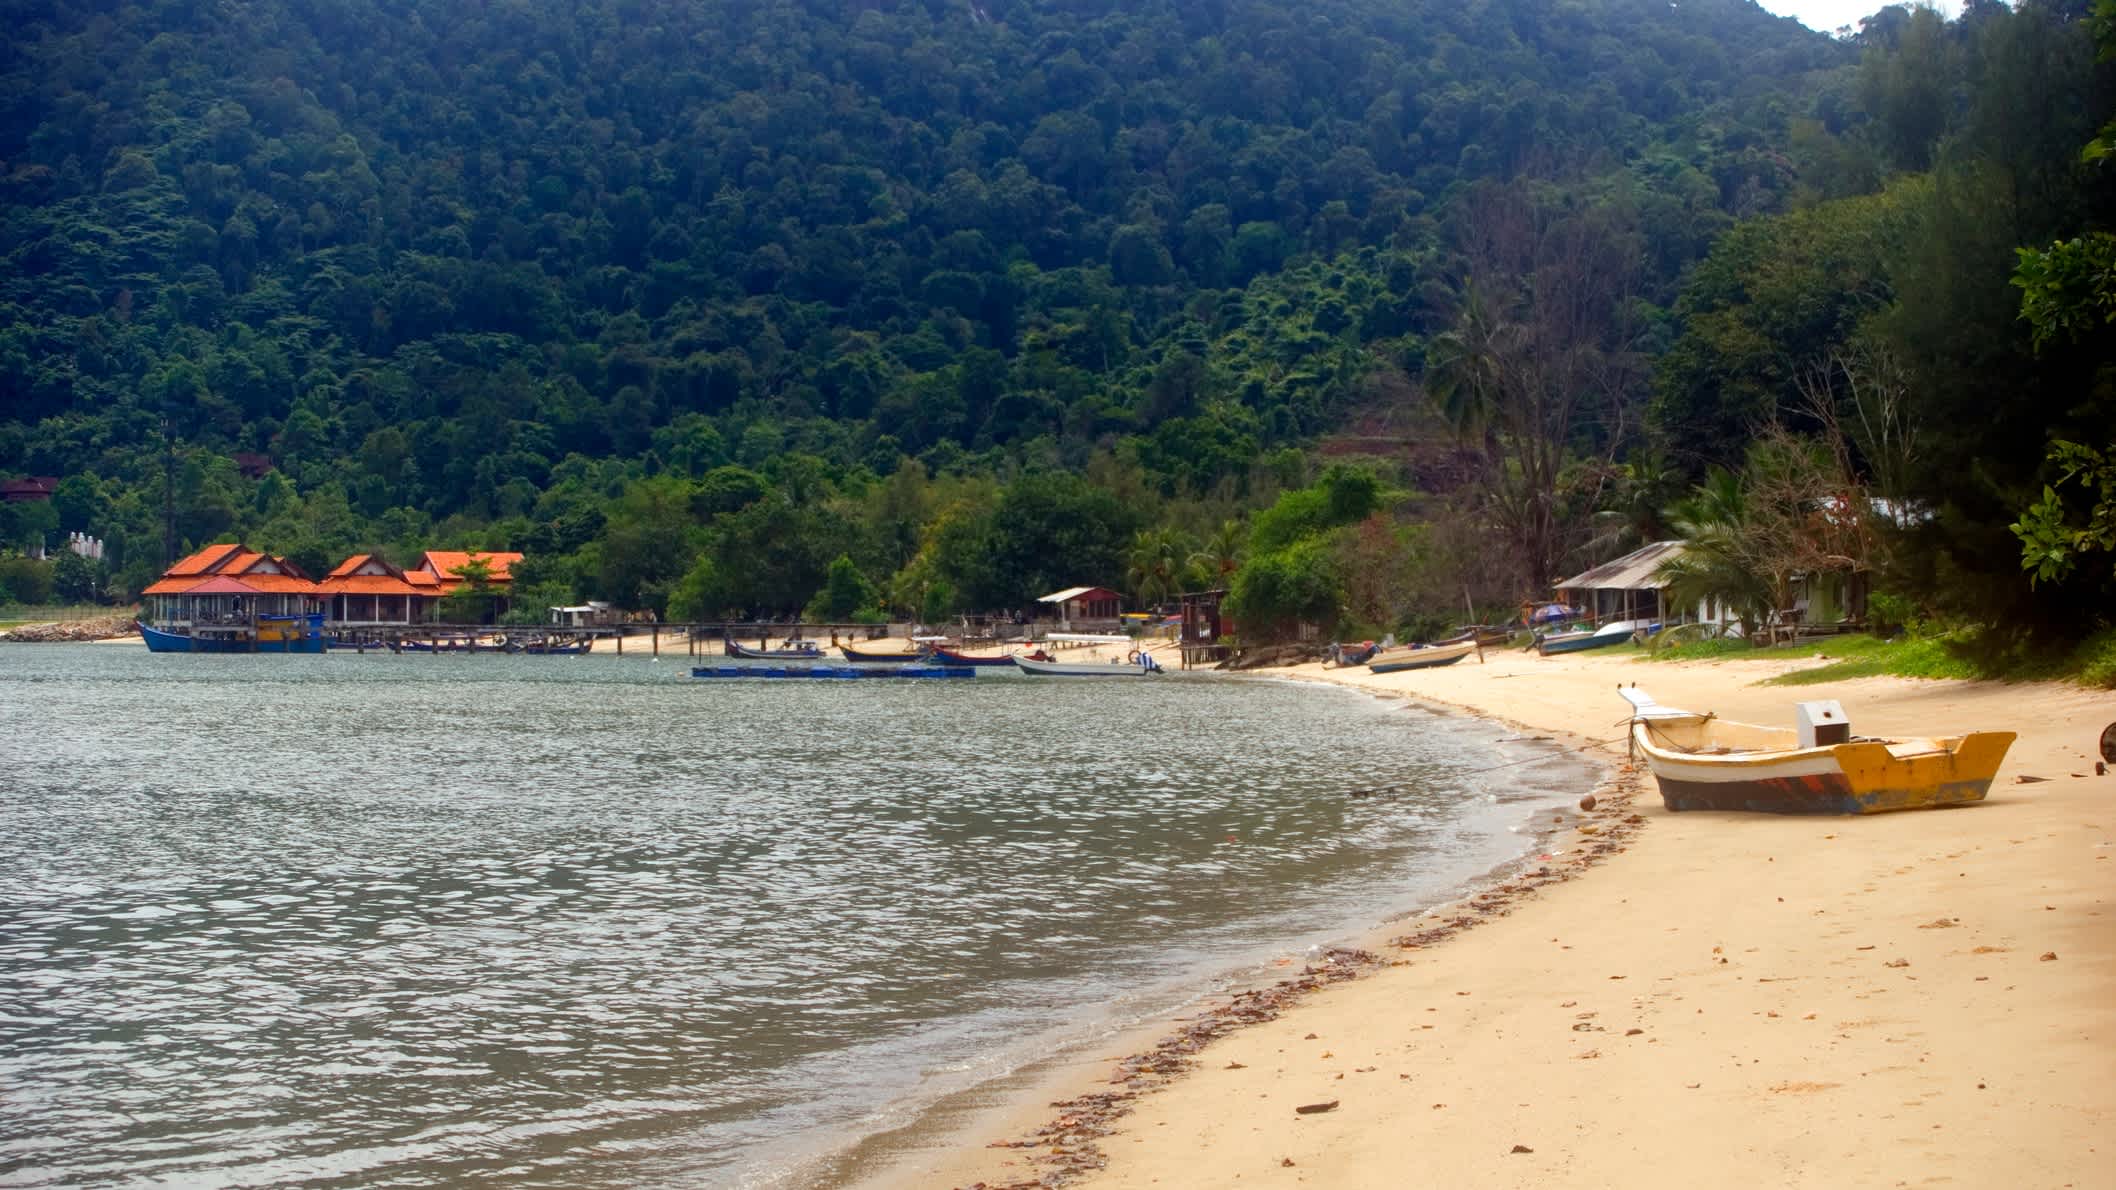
(269, 634)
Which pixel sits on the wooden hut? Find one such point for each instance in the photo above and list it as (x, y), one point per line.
(1083, 609)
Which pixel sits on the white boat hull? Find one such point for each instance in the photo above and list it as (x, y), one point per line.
(1083, 669)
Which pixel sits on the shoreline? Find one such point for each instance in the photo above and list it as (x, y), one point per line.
(1043, 1124)
(1761, 1071)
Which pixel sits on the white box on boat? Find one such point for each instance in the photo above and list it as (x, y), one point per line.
(1821, 722)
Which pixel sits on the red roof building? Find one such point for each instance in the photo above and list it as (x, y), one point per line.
(228, 583)
(31, 487)
(366, 591)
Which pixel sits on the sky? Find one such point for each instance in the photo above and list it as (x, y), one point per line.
(1826, 15)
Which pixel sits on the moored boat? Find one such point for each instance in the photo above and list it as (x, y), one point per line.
(1703, 762)
(827, 671)
(894, 654)
(1421, 656)
(942, 655)
(267, 634)
(1137, 665)
(800, 651)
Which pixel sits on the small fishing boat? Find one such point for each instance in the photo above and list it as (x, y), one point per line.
(1421, 656)
(1136, 665)
(1816, 767)
(796, 651)
(823, 672)
(895, 653)
(942, 655)
(1615, 632)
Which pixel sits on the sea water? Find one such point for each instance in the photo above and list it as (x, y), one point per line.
(439, 920)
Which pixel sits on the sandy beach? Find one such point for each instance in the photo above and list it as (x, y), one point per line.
(1903, 999)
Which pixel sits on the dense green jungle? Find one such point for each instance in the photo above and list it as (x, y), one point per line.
(911, 308)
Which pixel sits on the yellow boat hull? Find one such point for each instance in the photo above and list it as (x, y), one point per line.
(1705, 764)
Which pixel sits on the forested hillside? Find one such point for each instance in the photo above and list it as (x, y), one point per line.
(689, 299)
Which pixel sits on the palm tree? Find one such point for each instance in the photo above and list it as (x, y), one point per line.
(1222, 554)
(1717, 561)
(1155, 564)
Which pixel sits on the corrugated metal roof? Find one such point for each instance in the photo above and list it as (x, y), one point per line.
(1635, 571)
(1072, 593)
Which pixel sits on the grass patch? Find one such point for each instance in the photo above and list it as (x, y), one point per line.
(1703, 650)
(1962, 653)
(1913, 657)
(2093, 663)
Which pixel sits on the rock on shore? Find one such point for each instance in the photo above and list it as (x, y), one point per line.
(101, 628)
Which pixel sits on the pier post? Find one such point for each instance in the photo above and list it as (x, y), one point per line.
(620, 642)
(657, 640)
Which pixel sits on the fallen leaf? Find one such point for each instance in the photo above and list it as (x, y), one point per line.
(1523, 1149)
(2049, 956)
(1309, 1109)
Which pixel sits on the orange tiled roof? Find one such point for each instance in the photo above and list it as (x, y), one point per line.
(368, 584)
(173, 586)
(349, 565)
(449, 563)
(222, 584)
(280, 584)
(237, 563)
(206, 561)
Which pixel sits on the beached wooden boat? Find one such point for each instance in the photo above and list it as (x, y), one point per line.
(1615, 632)
(1706, 763)
(1139, 665)
(804, 651)
(1421, 656)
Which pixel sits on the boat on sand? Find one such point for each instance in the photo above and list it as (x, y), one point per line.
(1421, 656)
(1703, 762)
(1613, 633)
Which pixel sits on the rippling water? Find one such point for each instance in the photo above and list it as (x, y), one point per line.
(422, 921)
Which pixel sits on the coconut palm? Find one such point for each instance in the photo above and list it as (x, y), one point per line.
(1717, 561)
(1222, 554)
(1154, 565)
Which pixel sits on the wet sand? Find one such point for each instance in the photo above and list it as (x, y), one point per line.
(1901, 999)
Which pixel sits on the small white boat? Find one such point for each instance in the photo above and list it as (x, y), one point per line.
(1138, 665)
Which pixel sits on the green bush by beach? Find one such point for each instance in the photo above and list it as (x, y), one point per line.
(1928, 651)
